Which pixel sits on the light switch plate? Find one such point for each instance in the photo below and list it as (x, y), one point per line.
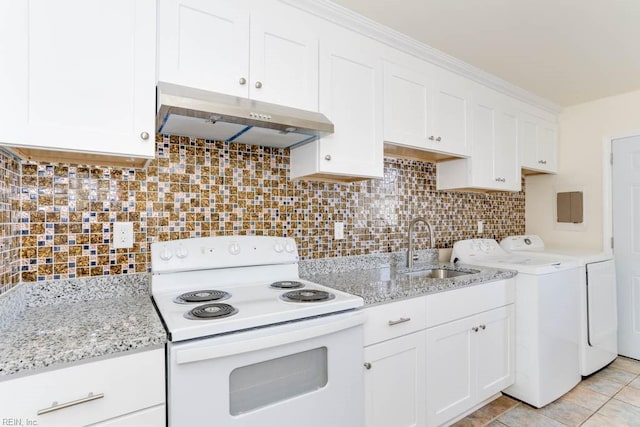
(480, 227)
(122, 235)
(338, 230)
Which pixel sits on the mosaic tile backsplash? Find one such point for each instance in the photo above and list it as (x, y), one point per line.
(197, 188)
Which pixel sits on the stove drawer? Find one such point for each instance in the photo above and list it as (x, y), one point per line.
(86, 393)
(391, 320)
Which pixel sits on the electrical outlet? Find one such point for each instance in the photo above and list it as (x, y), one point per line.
(338, 230)
(480, 227)
(122, 235)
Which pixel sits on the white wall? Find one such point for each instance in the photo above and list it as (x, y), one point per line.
(583, 128)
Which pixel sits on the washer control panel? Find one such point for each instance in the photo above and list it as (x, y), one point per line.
(470, 250)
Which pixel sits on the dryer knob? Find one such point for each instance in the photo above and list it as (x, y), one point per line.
(234, 249)
(278, 247)
(289, 247)
(165, 253)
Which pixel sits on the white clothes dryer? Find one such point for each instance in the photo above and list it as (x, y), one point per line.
(598, 303)
(547, 318)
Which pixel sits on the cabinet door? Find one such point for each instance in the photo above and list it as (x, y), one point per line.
(548, 146)
(495, 351)
(506, 168)
(351, 97)
(452, 112)
(484, 138)
(407, 109)
(394, 385)
(451, 368)
(205, 44)
(79, 75)
(538, 144)
(284, 58)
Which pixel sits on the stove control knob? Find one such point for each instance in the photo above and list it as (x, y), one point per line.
(165, 253)
(289, 247)
(234, 249)
(182, 252)
(278, 247)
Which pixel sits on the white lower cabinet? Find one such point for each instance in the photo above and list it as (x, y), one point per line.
(394, 382)
(428, 360)
(468, 361)
(124, 391)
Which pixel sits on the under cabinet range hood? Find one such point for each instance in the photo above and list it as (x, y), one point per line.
(197, 113)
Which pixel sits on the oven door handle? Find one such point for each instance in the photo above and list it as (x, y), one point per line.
(293, 332)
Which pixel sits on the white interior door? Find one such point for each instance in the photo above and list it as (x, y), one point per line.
(626, 237)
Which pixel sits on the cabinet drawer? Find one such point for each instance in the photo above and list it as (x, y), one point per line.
(119, 386)
(457, 304)
(392, 320)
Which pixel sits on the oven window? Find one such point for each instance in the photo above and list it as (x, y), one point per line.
(275, 380)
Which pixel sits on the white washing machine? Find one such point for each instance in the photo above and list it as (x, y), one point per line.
(598, 304)
(547, 318)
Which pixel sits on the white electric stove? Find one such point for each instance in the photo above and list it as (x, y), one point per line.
(250, 343)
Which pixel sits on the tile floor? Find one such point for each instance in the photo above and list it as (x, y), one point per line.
(608, 398)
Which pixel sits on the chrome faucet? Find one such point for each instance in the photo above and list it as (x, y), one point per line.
(410, 233)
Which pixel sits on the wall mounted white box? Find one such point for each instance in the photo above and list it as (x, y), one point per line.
(122, 235)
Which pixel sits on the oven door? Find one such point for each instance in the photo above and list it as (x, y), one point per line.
(307, 373)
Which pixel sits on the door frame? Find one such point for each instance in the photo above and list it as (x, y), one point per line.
(607, 187)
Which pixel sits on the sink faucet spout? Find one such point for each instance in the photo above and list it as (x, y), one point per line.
(410, 238)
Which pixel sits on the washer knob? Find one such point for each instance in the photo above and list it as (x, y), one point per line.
(289, 247)
(165, 253)
(278, 247)
(234, 249)
(182, 252)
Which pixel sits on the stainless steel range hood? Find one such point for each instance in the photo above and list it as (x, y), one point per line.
(197, 113)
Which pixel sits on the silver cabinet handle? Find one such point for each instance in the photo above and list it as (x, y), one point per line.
(367, 365)
(55, 406)
(400, 320)
(474, 329)
(542, 162)
(327, 157)
(483, 327)
(144, 135)
(431, 138)
(242, 81)
(258, 85)
(438, 139)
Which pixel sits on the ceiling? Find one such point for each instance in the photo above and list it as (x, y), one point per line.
(567, 51)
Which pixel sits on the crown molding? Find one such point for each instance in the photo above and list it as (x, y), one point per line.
(347, 18)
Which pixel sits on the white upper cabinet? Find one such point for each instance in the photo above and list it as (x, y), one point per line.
(494, 161)
(78, 76)
(426, 109)
(452, 111)
(267, 52)
(538, 144)
(351, 97)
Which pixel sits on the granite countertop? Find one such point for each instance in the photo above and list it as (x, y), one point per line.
(58, 324)
(379, 279)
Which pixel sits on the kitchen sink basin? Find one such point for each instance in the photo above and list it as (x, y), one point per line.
(440, 273)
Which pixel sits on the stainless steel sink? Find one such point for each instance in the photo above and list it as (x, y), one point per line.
(440, 273)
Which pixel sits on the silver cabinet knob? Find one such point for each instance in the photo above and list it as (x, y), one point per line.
(367, 365)
(242, 81)
(474, 329)
(144, 135)
(438, 139)
(542, 162)
(258, 85)
(483, 327)
(497, 179)
(431, 138)
(327, 157)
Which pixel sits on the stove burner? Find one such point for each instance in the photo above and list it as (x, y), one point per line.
(211, 311)
(202, 296)
(286, 284)
(307, 295)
